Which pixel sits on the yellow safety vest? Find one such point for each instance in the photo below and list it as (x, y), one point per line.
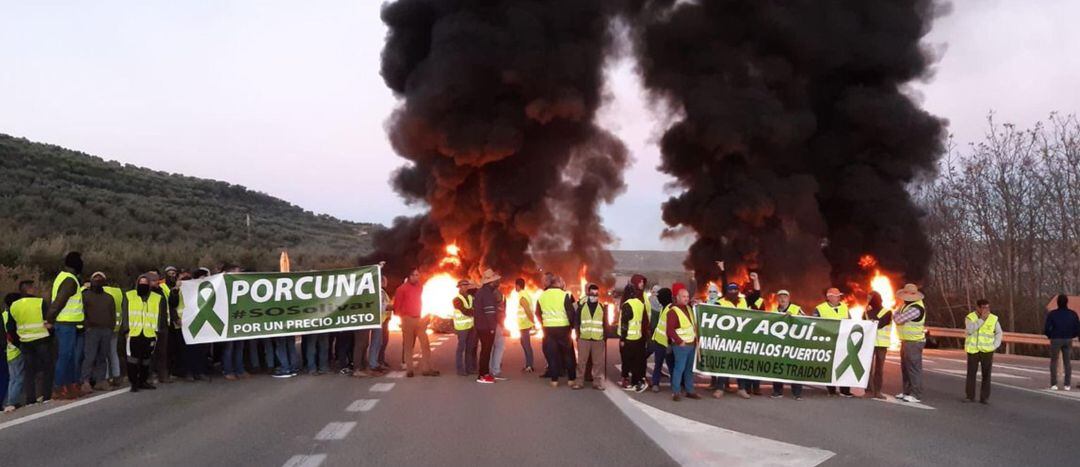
(143, 314)
(592, 325)
(633, 328)
(686, 330)
(29, 322)
(525, 311)
(828, 312)
(12, 351)
(983, 340)
(792, 310)
(884, 337)
(660, 334)
(553, 308)
(462, 322)
(73, 309)
(118, 298)
(914, 331)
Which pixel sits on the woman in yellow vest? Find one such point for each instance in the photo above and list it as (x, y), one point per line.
(525, 323)
(983, 338)
(142, 310)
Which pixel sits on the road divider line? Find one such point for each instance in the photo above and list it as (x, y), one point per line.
(1019, 388)
(335, 430)
(362, 405)
(61, 408)
(309, 460)
(892, 400)
(382, 387)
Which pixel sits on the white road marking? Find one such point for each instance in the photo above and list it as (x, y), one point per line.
(382, 387)
(893, 400)
(335, 430)
(1060, 394)
(691, 442)
(395, 374)
(310, 460)
(362, 405)
(996, 374)
(61, 408)
(1020, 368)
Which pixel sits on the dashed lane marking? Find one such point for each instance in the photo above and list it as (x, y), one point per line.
(1058, 394)
(335, 430)
(996, 374)
(310, 460)
(61, 408)
(395, 374)
(382, 387)
(362, 405)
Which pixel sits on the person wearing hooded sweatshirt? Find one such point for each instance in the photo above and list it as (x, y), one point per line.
(65, 315)
(633, 332)
(658, 344)
(100, 311)
(1061, 327)
(141, 323)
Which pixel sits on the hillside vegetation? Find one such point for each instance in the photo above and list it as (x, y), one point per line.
(127, 219)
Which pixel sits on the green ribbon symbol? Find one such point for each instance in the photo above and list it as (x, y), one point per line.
(205, 314)
(852, 359)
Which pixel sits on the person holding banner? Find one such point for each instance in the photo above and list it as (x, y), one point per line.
(834, 308)
(680, 331)
(784, 306)
(733, 299)
(875, 311)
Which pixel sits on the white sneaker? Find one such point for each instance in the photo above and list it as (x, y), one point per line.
(901, 396)
(1054, 388)
(912, 399)
(1068, 388)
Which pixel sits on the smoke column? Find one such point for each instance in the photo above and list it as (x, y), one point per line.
(498, 100)
(794, 140)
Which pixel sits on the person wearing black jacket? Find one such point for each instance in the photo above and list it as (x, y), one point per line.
(488, 311)
(1062, 326)
(634, 334)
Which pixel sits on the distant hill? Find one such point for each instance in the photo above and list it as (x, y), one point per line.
(127, 219)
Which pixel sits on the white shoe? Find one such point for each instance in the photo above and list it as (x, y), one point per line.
(912, 399)
(1054, 388)
(901, 396)
(1068, 388)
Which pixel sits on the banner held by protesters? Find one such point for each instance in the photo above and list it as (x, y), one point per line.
(781, 347)
(233, 306)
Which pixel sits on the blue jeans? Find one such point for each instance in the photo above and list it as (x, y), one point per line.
(778, 389)
(682, 377)
(16, 370)
(69, 354)
(287, 357)
(317, 343)
(374, 346)
(497, 351)
(526, 345)
(660, 356)
(232, 360)
(749, 384)
(4, 380)
(465, 354)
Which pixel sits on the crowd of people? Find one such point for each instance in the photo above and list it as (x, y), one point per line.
(70, 341)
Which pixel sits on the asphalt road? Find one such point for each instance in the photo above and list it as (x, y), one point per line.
(451, 420)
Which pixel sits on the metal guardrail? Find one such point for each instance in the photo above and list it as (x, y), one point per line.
(1007, 337)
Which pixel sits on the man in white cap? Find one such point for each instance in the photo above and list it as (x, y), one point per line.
(834, 308)
(910, 319)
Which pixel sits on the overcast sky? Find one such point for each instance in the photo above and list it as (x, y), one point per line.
(285, 97)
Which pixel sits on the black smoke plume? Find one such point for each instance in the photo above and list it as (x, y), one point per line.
(498, 100)
(795, 139)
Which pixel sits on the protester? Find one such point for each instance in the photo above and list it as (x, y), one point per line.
(15, 362)
(633, 332)
(658, 345)
(784, 306)
(288, 357)
(408, 305)
(525, 323)
(66, 316)
(195, 355)
(732, 298)
(165, 320)
(465, 354)
(114, 373)
(910, 319)
(1062, 325)
(10, 353)
(488, 310)
(590, 323)
(498, 346)
(834, 308)
(100, 318)
(232, 358)
(34, 341)
(882, 316)
(176, 344)
(141, 324)
(553, 311)
(680, 330)
(983, 336)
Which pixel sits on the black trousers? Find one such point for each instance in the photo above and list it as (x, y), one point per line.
(545, 348)
(385, 342)
(562, 352)
(343, 348)
(195, 356)
(634, 359)
(975, 361)
(487, 341)
(877, 370)
(39, 357)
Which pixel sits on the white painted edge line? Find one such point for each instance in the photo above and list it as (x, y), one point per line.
(996, 374)
(1019, 388)
(335, 430)
(382, 387)
(724, 452)
(892, 400)
(362, 405)
(310, 460)
(61, 408)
